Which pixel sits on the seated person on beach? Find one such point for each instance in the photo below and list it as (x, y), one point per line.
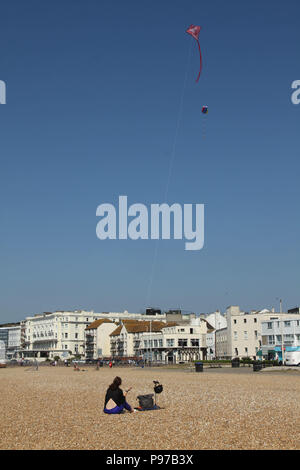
(115, 399)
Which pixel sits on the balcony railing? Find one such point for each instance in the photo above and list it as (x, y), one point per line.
(90, 341)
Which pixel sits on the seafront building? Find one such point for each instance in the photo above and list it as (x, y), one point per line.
(132, 338)
(175, 343)
(62, 333)
(59, 333)
(125, 340)
(280, 337)
(217, 321)
(97, 338)
(171, 336)
(242, 337)
(10, 336)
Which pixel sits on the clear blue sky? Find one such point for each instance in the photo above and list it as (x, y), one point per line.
(93, 97)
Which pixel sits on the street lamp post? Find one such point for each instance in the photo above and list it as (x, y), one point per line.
(150, 345)
(215, 335)
(282, 343)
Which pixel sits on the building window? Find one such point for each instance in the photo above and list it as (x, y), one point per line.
(234, 321)
(255, 320)
(235, 335)
(195, 342)
(245, 335)
(76, 335)
(182, 343)
(287, 323)
(245, 320)
(66, 335)
(269, 325)
(255, 334)
(271, 339)
(170, 342)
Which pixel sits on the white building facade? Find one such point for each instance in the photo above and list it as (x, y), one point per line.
(62, 333)
(97, 339)
(176, 343)
(218, 322)
(126, 340)
(10, 334)
(280, 337)
(243, 335)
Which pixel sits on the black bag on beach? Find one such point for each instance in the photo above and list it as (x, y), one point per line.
(146, 401)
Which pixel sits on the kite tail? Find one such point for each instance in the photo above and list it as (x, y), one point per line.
(200, 62)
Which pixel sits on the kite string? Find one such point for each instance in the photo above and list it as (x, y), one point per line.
(178, 123)
(171, 164)
(204, 126)
(200, 61)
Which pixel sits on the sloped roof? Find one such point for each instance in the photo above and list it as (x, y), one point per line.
(141, 326)
(170, 323)
(97, 323)
(210, 328)
(117, 331)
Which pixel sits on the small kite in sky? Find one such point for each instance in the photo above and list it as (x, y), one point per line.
(194, 31)
(204, 109)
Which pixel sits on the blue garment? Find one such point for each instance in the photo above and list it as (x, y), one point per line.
(118, 409)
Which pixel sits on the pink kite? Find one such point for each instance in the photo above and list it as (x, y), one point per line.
(194, 31)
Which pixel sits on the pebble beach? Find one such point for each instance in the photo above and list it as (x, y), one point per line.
(57, 408)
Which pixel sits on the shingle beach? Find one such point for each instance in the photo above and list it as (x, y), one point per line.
(59, 408)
